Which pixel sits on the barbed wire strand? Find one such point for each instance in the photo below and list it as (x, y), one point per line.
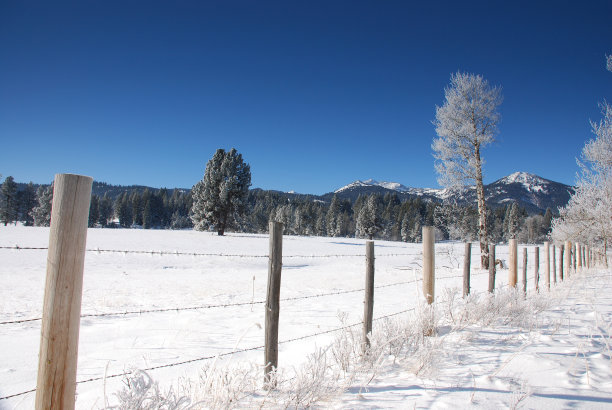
(248, 349)
(224, 255)
(178, 309)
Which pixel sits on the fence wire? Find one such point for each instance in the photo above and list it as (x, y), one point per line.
(224, 305)
(203, 358)
(222, 255)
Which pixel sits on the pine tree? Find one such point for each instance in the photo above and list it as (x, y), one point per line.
(106, 210)
(8, 201)
(27, 202)
(123, 210)
(368, 220)
(42, 212)
(221, 195)
(332, 217)
(94, 211)
(137, 208)
(512, 223)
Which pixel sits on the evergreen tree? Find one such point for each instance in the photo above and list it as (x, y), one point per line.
(27, 202)
(512, 221)
(94, 211)
(221, 195)
(8, 201)
(123, 210)
(332, 217)
(137, 208)
(106, 210)
(42, 212)
(147, 209)
(368, 220)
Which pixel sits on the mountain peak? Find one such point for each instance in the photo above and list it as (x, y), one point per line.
(522, 177)
(395, 186)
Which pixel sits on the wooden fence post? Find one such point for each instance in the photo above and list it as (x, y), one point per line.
(587, 256)
(561, 251)
(59, 340)
(467, 261)
(575, 256)
(513, 263)
(491, 268)
(568, 258)
(275, 266)
(525, 271)
(547, 264)
(429, 262)
(554, 264)
(368, 310)
(536, 262)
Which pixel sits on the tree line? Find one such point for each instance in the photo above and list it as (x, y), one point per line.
(370, 216)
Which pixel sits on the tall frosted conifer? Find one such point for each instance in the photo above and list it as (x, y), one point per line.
(222, 194)
(368, 220)
(466, 123)
(42, 212)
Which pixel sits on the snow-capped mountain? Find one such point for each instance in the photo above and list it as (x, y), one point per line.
(530, 191)
(395, 186)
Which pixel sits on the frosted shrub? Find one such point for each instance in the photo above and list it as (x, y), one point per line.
(141, 392)
(413, 342)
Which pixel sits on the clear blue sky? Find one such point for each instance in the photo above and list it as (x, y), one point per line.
(314, 94)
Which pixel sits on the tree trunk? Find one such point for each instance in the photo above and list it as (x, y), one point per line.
(221, 226)
(482, 211)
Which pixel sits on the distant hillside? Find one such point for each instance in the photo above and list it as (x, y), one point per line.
(531, 192)
(112, 191)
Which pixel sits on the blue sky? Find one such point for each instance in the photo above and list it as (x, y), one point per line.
(313, 94)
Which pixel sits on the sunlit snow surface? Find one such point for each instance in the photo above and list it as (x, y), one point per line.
(550, 360)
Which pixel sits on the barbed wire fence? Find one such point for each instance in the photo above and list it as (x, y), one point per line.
(444, 251)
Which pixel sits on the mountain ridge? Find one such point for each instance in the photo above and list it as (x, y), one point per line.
(530, 191)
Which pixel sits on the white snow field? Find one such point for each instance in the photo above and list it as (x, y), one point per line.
(549, 351)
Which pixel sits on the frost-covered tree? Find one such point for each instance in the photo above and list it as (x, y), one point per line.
(588, 215)
(465, 124)
(368, 220)
(42, 212)
(222, 194)
(8, 201)
(512, 221)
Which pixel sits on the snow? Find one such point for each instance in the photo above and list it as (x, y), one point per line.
(530, 182)
(563, 362)
(395, 186)
(488, 367)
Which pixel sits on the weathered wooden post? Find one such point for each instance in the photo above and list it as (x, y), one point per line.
(467, 261)
(59, 340)
(525, 271)
(554, 264)
(587, 256)
(429, 262)
(491, 268)
(547, 264)
(561, 251)
(536, 261)
(275, 266)
(513, 263)
(368, 310)
(568, 258)
(575, 256)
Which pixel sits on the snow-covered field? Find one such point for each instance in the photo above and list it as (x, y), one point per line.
(561, 359)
